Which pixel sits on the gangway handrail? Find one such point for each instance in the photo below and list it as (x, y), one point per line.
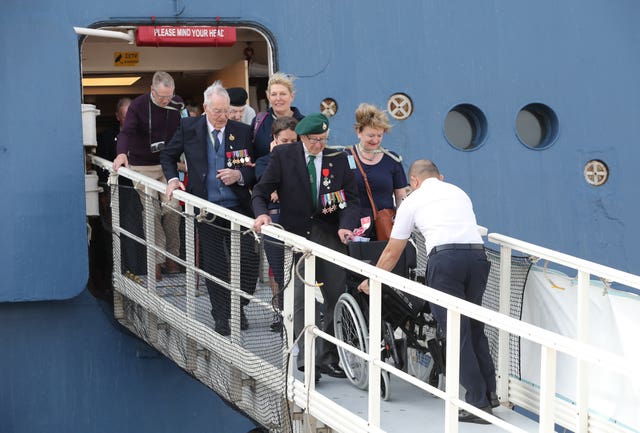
(567, 260)
(531, 332)
(179, 194)
(584, 270)
(549, 341)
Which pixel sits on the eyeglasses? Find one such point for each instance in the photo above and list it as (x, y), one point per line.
(162, 97)
(316, 140)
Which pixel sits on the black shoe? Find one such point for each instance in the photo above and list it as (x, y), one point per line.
(276, 325)
(223, 330)
(318, 373)
(333, 370)
(493, 399)
(244, 323)
(464, 416)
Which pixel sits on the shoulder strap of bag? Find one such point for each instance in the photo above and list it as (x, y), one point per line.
(259, 120)
(366, 183)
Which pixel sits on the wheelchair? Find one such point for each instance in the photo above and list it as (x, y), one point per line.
(410, 337)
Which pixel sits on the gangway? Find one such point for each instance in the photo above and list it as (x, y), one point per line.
(250, 368)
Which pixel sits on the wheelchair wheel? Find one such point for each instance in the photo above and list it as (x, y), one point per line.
(419, 363)
(351, 328)
(385, 386)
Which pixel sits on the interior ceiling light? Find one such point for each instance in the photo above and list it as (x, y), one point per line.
(109, 81)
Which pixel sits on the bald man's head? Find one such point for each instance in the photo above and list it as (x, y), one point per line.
(424, 169)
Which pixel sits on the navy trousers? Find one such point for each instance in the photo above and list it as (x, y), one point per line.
(215, 258)
(334, 279)
(464, 273)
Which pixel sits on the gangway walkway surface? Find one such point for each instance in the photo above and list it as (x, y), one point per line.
(409, 408)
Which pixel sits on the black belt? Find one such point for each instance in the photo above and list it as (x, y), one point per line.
(455, 247)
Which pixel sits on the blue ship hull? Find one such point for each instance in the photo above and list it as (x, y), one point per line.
(67, 367)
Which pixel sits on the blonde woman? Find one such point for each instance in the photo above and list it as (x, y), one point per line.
(280, 93)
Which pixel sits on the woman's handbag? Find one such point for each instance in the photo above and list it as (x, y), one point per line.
(382, 219)
(384, 223)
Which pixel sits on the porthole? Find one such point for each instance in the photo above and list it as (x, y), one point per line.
(400, 106)
(596, 172)
(537, 126)
(329, 107)
(465, 127)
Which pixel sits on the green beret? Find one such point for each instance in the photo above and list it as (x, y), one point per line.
(315, 123)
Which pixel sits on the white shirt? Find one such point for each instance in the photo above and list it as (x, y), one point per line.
(441, 211)
(210, 128)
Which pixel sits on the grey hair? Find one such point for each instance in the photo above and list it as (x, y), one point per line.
(122, 102)
(163, 78)
(216, 89)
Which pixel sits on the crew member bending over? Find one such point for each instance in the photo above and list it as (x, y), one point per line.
(457, 265)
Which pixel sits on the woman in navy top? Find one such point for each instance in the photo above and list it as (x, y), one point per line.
(383, 168)
(280, 94)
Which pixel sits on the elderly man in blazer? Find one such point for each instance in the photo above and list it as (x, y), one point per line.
(318, 200)
(219, 154)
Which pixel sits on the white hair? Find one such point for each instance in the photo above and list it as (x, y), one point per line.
(215, 89)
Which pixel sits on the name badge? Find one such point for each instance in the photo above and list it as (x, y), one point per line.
(352, 162)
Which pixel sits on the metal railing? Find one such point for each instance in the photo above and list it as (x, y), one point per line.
(578, 415)
(304, 395)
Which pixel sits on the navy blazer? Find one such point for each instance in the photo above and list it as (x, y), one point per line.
(191, 139)
(287, 174)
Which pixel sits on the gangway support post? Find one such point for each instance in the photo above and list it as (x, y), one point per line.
(236, 305)
(150, 235)
(582, 370)
(452, 379)
(234, 273)
(191, 289)
(116, 278)
(309, 321)
(504, 355)
(287, 306)
(548, 364)
(375, 337)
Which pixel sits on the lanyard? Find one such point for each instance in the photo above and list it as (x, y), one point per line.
(166, 119)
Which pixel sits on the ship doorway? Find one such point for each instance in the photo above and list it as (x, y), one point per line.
(248, 63)
(114, 68)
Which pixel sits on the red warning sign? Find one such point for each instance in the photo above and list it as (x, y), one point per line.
(185, 36)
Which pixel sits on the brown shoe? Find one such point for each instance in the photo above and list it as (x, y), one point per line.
(172, 267)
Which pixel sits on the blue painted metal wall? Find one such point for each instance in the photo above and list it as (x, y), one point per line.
(575, 56)
(67, 366)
